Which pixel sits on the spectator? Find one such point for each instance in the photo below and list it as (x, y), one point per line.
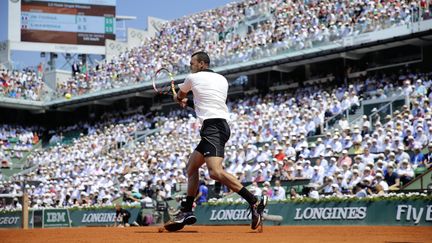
(417, 157)
(344, 159)
(122, 215)
(428, 156)
(379, 178)
(313, 193)
(359, 191)
(202, 193)
(392, 178)
(405, 172)
(293, 193)
(279, 191)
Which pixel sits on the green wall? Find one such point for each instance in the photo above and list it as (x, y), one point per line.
(417, 212)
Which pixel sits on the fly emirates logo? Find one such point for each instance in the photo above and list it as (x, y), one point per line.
(410, 213)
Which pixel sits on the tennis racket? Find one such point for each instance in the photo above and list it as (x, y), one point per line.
(163, 82)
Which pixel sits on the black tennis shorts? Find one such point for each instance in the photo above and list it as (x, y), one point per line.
(214, 134)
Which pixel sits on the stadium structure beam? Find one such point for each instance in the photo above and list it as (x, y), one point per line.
(382, 47)
(249, 72)
(141, 94)
(421, 42)
(148, 94)
(73, 106)
(283, 68)
(42, 111)
(102, 102)
(305, 61)
(21, 104)
(66, 109)
(351, 55)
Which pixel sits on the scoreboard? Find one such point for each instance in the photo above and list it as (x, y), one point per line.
(78, 22)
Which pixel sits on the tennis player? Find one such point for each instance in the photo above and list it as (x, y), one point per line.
(209, 97)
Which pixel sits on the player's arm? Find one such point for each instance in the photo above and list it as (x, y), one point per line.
(180, 98)
(180, 95)
(184, 88)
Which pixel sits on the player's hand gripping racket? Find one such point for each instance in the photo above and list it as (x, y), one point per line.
(160, 84)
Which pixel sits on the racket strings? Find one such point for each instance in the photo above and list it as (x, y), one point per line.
(163, 87)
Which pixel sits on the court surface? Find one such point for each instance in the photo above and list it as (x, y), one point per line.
(218, 234)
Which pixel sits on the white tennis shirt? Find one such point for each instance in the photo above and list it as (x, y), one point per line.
(210, 92)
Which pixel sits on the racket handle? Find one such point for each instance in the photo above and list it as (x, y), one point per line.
(173, 89)
(172, 83)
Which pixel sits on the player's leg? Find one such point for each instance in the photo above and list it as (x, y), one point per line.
(195, 162)
(216, 171)
(186, 216)
(215, 134)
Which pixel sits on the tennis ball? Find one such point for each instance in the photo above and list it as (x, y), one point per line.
(161, 229)
(68, 96)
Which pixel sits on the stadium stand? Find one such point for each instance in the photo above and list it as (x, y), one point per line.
(15, 141)
(277, 26)
(106, 165)
(25, 84)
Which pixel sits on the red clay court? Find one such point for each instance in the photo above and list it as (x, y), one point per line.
(218, 234)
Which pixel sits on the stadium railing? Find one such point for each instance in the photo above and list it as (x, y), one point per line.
(422, 181)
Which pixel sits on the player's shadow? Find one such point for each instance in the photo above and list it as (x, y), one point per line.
(166, 232)
(254, 232)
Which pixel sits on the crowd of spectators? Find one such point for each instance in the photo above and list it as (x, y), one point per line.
(236, 32)
(287, 25)
(370, 158)
(15, 141)
(95, 170)
(25, 84)
(269, 143)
